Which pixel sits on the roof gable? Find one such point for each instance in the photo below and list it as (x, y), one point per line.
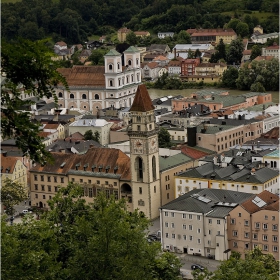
(142, 101)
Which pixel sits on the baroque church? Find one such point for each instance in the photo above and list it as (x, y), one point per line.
(135, 178)
(98, 87)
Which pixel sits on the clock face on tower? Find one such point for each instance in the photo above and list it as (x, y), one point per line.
(153, 144)
(138, 146)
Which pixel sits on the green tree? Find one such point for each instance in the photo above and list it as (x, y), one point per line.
(220, 52)
(235, 52)
(233, 23)
(39, 79)
(183, 37)
(229, 77)
(131, 38)
(255, 266)
(190, 54)
(89, 135)
(242, 29)
(97, 57)
(164, 138)
(12, 193)
(75, 240)
(256, 51)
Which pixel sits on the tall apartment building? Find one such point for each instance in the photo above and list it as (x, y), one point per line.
(255, 223)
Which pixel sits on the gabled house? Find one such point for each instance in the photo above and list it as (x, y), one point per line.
(77, 47)
(150, 70)
(271, 51)
(60, 45)
(122, 33)
(162, 35)
(84, 55)
(142, 33)
(174, 67)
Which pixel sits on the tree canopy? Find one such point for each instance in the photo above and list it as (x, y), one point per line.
(164, 138)
(74, 240)
(89, 135)
(28, 67)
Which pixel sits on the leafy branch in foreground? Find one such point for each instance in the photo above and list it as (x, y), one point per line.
(27, 67)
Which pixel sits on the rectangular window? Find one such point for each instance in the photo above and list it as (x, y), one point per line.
(184, 226)
(275, 238)
(191, 238)
(166, 235)
(257, 225)
(55, 179)
(218, 222)
(49, 188)
(81, 180)
(173, 236)
(36, 187)
(190, 227)
(246, 245)
(209, 221)
(155, 189)
(184, 216)
(209, 242)
(274, 227)
(246, 234)
(44, 197)
(273, 218)
(90, 192)
(275, 248)
(265, 238)
(166, 214)
(61, 180)
(172, 225)
(198, 230)
(36, 195)
(232, 221)
(209, 231)
(166, 224)
(42, 178)
(239, 214)
(140, 190)
(198, 218)
(172, 214)
(265, 247)
(246, 223)
(265, 226)
(234, 233)
(190, 216)
(184, 237)
(43, 188)
(49, 178)
(35, 178)
(198, 241)
(55, 189)
(235, 244)
(255, 236)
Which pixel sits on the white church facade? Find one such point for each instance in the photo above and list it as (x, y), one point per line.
(97, 87)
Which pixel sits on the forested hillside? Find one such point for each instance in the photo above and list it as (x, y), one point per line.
(74, 21)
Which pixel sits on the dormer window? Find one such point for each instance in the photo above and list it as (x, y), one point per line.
(92, 168)
(100, 168)
(116, 169)
(85, 167)
(107, 168)
(77, 166)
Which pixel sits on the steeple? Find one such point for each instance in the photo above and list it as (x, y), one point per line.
(142, 101)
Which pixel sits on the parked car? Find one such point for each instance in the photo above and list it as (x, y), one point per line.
(25, 211)
(197, 266)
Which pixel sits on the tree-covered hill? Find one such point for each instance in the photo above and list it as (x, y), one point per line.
(74, 21)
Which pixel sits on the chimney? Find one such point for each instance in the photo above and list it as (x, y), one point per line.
(174, 53)
(215, 160)
(253, 170)
(201, 108)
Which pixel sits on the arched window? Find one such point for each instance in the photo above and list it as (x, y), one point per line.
(127, 79)
(154, 170)
(72, 96)
(60, 94)
(110, 67)
(96, 96)
(132, 78)
(84, 96)
(139, 168)
(123, 81)
(275, 164)
(119, 66)
(111, 83)
(137, 61)
(129, 62)
(119, 82)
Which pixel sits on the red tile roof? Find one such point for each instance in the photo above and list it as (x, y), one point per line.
(144, 33)
(260, 57)
(192, 152)
(61, 43)
(142, 101)
(272, 134)
(274, 47)
(214, 32)
(51, 126)
(272, 202)
(247, 52)
(8, 164)
(152, 65)
(84, 75)
(94, 156)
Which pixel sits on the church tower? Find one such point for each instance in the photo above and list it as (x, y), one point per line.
(144, 155)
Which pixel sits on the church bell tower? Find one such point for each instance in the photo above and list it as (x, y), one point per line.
(144, 155)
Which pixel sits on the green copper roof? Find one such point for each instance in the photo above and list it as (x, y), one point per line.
(112, 53)
(131, 50)
(173, 161)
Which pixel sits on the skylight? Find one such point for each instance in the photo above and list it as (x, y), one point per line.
(259, 202)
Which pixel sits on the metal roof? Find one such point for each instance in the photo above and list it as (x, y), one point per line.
(173, 161)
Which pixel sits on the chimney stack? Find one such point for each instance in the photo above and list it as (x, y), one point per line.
(174, 53)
